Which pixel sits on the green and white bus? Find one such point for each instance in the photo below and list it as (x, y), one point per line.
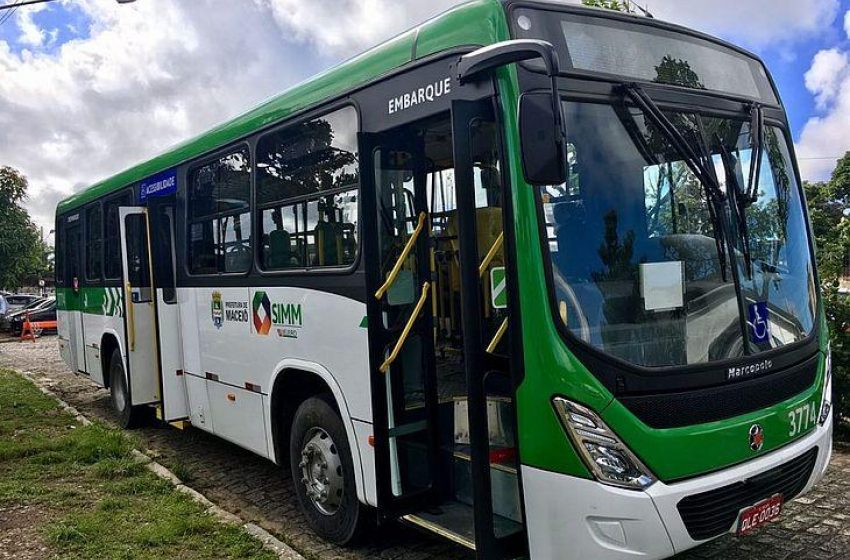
(534, 277)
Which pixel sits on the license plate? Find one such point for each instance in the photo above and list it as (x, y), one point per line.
(762, 513)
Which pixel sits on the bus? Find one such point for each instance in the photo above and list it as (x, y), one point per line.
(534, 277)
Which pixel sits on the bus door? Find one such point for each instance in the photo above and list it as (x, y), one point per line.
(74, 297)
(437, 304)
(139, 307)
(400, 323)
(162, 226)
(490, 436)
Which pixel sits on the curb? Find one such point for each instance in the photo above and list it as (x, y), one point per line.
(269, 541)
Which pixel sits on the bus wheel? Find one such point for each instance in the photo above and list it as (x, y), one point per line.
(323, 473)
(128, 415)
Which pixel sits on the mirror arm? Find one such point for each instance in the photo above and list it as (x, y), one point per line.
(507, 52)
(480, 62)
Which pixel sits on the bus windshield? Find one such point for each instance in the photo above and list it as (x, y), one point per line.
(654, 267)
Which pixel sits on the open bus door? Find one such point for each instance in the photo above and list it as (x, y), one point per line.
(139, 307)
(442, 391)
(161, 215)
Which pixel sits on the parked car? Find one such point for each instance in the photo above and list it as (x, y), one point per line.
(15, 302)
(45, 312)
(37, 305)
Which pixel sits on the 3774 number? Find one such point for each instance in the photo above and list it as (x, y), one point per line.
(802, 418)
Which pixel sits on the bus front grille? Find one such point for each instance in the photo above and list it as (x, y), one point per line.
(710, 514)
(675, 410)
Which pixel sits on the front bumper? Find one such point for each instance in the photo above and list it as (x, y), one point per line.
(574, 518)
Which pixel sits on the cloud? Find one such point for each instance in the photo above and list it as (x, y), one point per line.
(825, 76)
(31, 34)
(826, 136)
(752, 23)
(346, 27)
(146, 76)
(847, 23)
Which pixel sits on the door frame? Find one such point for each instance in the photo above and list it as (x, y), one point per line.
(129, 306)
(461, 114)
(476, 361)
(391, 506)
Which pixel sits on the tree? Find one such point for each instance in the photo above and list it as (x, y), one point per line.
(827, 203)
(609, 5)
(21, 248)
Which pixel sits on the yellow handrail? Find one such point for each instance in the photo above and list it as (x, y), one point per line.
(131, 316)
(426, 287)
(491, 254)
(404, 253)
(498, 338)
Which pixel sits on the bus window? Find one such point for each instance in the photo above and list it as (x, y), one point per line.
(307, 182)
(138, 267)
(112, 241)
(59, 252)
(72, 256)
(94, 242)
(219, 216)
(162, 226)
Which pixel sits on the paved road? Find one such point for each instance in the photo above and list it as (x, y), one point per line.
(816, 527)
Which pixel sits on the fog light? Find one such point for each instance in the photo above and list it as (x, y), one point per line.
(607, 457)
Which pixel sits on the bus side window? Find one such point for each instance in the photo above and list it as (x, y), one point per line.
(138, 266)
(112, 235)
(59, 254)
(164, 256)
(307, 185)
(219, 216)
(94, 242)
(72, 256)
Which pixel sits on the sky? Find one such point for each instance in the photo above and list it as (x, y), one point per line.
(90, 87)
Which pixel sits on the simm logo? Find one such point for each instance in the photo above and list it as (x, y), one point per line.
(285, 317)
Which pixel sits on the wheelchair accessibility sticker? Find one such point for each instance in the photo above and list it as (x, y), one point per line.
(758, 321)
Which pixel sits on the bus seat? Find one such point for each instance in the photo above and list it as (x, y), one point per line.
(238, 258)
(329, 241)
(489, 222)
(280, 250)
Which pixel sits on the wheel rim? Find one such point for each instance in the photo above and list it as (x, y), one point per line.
(118, 399)
(321, 471)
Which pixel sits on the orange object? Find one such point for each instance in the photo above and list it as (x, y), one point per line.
(26, 331)
(45, 325)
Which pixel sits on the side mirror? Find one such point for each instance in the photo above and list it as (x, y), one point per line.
(541, 140)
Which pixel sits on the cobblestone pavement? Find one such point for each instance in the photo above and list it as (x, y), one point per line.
(816, 527)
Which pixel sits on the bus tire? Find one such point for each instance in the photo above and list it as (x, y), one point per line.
(128, 416)
(323, 473)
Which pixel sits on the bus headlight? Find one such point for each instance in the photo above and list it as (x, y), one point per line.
(826, 407)
(607, 457)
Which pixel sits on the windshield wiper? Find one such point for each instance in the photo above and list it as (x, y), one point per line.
(739, 203)
(695, 163)
(756, 153)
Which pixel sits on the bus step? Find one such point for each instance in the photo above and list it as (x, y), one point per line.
(453, 521)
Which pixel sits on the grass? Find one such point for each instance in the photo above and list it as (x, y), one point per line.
(99, 503)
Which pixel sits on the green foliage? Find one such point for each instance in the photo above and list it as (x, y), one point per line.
(609, 5)
(22, 252)
(677, 72)
(827, 202)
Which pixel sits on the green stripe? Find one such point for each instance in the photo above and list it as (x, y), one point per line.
(93, 301)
